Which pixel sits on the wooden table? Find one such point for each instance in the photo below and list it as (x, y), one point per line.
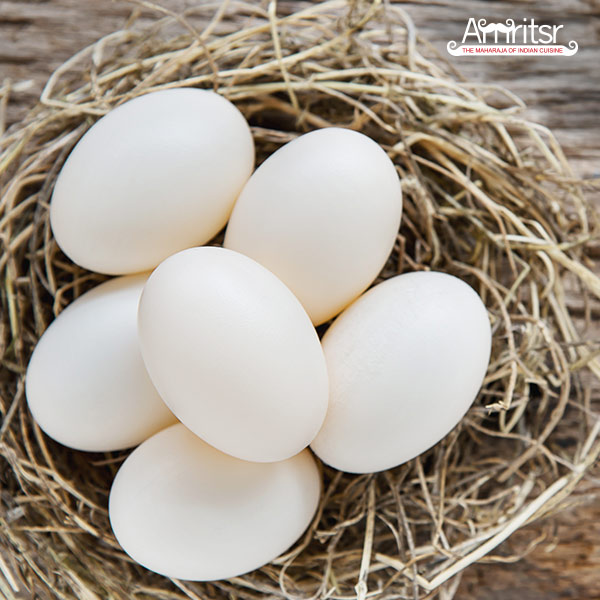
(562, 92)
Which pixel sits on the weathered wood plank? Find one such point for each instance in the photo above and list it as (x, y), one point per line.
(562, 92)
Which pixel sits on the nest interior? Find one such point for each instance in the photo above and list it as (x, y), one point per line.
(488, 196)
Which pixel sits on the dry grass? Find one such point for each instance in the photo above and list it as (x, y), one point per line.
(488, 197)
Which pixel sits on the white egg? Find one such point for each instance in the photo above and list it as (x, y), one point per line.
(322, 213)
(233, 354)
(157, 174)
(405, 362)
(86, 383)
(183, 509)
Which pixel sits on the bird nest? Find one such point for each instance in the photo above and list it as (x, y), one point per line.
(488, 196)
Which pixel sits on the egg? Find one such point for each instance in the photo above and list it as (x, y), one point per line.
(233, 354)
(157, 174)
(86, 384)
(405, 362)
(183, 509)
(322, 213)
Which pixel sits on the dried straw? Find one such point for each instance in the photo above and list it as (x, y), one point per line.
(489, 197)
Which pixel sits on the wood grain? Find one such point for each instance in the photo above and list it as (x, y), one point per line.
(561, 92)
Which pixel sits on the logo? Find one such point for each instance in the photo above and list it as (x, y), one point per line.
(525, 39)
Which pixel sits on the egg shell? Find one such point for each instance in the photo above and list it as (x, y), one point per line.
(322, 213)
(233, 354)
(157, 174)
(405, 362)
(86, 383)
(183, 509)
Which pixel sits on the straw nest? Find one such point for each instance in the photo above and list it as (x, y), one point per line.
(488, 197)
